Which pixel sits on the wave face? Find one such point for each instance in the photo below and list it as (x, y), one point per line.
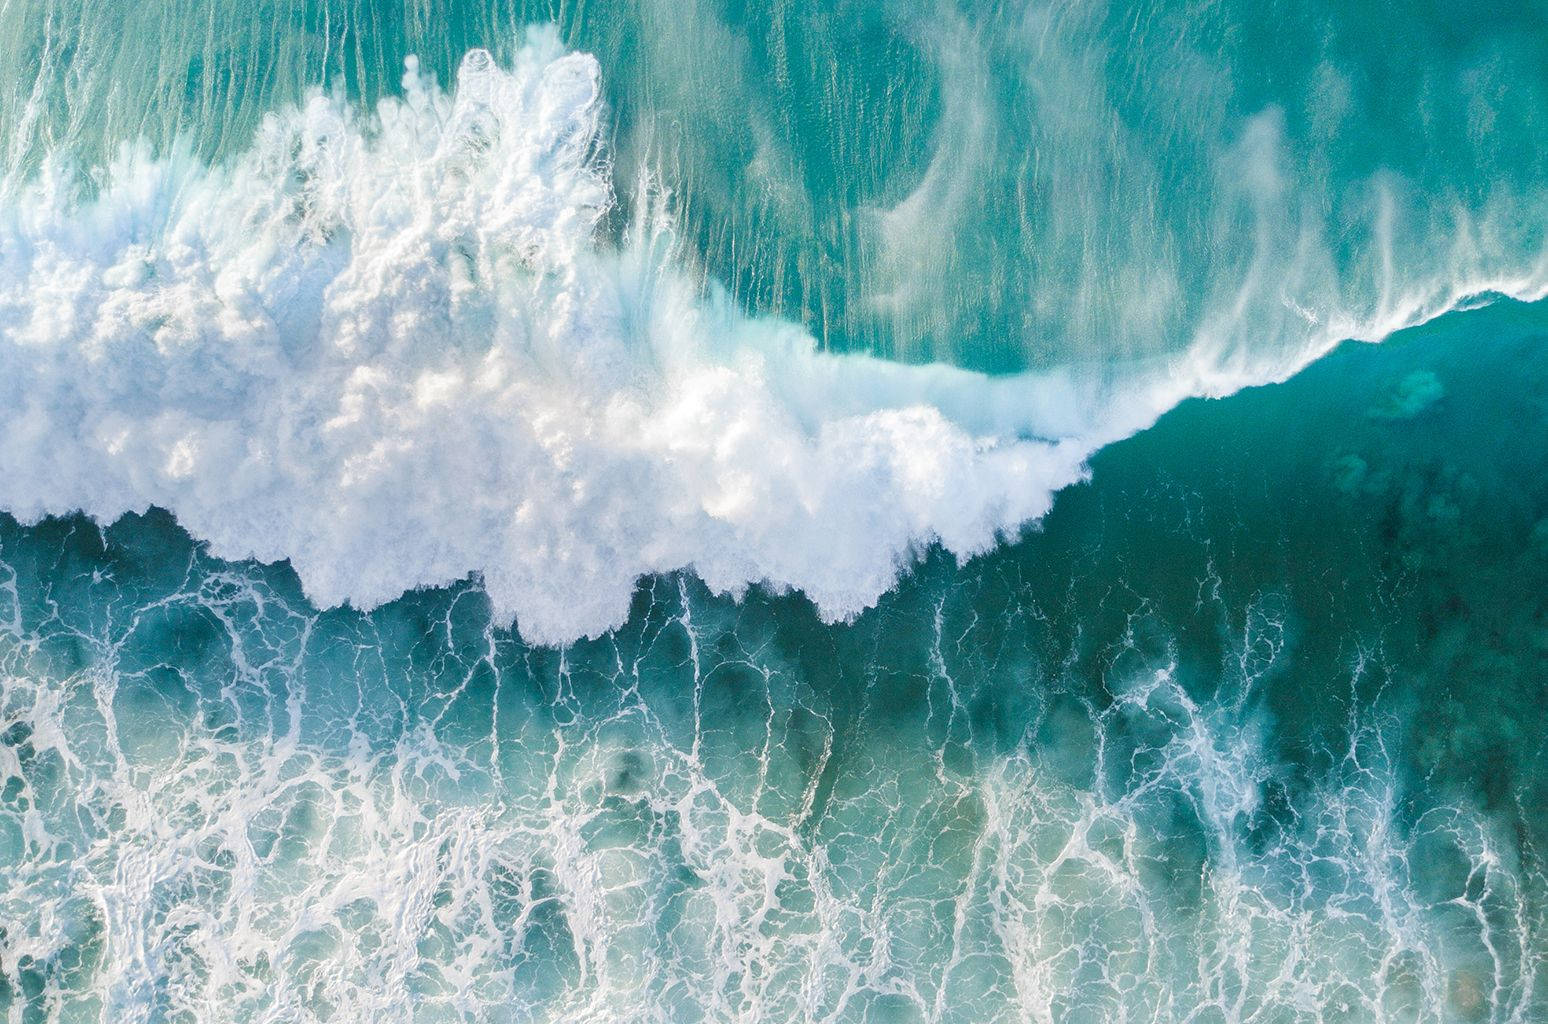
(580, 526)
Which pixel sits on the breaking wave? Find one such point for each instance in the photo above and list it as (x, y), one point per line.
(400, 348)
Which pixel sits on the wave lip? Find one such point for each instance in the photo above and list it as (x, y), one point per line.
(393, 350)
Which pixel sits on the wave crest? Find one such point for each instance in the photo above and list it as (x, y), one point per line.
(394, 351)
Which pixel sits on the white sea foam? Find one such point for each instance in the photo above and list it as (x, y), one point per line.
(293, 824)
(394, 350)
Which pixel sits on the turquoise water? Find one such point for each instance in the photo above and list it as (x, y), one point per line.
(850, 512)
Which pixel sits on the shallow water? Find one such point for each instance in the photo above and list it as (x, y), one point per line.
(489, 543)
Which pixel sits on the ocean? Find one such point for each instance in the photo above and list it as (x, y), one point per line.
(850, 511)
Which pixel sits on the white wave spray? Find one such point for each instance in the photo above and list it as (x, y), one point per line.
(395, 350)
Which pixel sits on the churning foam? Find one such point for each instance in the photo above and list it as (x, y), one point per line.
(394, 350)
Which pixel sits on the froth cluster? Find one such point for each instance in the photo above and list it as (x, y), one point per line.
(393, 350)
(397, 349)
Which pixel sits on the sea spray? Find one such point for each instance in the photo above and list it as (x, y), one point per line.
(398, 349)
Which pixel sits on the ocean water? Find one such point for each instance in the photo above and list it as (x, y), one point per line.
(848, 512)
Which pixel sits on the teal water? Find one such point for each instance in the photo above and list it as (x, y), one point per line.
(839, 512)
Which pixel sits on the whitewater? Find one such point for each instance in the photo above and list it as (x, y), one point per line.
(400, 347)
(861, 513)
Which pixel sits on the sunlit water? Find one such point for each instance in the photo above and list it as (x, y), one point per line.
(686, 513)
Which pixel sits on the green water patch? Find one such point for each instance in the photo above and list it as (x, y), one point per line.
(999, 185)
